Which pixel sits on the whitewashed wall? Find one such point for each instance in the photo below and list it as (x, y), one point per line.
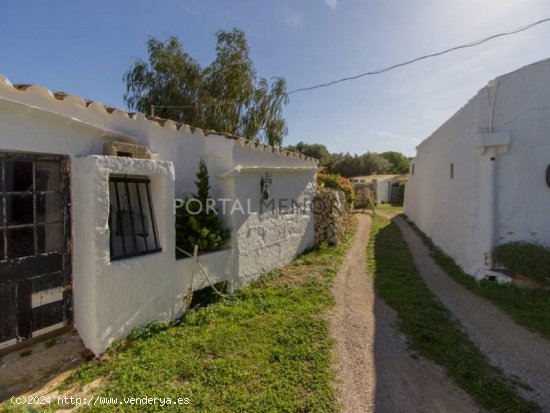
(277, 231)
(383, 190)
(111, 298)
(499, 144)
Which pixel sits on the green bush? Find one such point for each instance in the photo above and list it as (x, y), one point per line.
(195, 223)
(337, 182)
(523, 258)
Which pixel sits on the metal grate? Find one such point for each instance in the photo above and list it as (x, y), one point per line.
(132, 223)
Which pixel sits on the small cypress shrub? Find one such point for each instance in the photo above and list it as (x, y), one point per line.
(196, 224)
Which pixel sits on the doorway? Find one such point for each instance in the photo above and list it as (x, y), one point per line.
(35, 246)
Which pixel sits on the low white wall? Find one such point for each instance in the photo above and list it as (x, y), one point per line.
(217, 264)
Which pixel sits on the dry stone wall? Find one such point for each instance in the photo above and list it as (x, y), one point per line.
(331, 214)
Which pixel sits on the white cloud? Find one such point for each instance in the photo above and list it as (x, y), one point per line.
(332, 4)
(390, 135)
(293, 19)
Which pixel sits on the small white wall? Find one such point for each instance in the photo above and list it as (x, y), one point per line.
(383, 190)
(112, 297)
(217, 265)
(499, 144)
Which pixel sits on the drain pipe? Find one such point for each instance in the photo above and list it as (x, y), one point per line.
(488, 191)
(492, 183)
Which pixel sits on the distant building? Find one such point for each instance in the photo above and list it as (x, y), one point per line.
(383, 185)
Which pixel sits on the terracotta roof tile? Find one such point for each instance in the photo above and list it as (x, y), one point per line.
(60, 95)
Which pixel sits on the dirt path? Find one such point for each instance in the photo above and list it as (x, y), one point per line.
(352, 325)
(518, 352)
(375, 371)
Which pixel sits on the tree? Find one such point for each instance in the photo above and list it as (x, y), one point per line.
(225, 96)
(314, 150)
(367, 164)
(197, 223)
(399, 162)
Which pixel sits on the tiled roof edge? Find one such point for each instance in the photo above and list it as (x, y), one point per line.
(28, 88)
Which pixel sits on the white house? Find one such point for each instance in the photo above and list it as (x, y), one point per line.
(384, 185)
(482, 178)
(87, 194)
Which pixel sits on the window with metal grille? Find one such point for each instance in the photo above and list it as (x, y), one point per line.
(132, 225)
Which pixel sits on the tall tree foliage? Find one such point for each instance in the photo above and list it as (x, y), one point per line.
(225, 96)
(399, 162)
(315, 150)
(348, 165)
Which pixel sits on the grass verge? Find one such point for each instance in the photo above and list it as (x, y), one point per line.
(530, 308)
(266, 349)
(429, 326)
(395, 209)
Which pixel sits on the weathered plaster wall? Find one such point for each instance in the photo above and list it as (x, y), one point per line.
(442, 207)
(271, 236)
(112, 297)
(498, 143)
(522, 108)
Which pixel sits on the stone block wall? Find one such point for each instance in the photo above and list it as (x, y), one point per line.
(331, 215)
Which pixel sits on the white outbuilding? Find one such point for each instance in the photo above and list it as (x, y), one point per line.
(482, 179)
(87, 223)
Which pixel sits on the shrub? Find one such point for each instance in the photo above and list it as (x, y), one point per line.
(527, 259)
(195, 223)
(337, 182)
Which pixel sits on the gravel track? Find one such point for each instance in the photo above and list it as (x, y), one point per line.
(375, 371)
(521, 354)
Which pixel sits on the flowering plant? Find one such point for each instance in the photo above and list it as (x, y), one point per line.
(325, 180)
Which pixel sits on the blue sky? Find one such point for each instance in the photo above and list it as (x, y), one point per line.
(84, 47)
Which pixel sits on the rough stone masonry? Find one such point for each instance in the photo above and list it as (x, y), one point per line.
(331, 215)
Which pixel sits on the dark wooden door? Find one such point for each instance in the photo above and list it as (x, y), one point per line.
(35, 245)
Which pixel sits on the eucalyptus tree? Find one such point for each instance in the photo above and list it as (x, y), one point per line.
(226, 96)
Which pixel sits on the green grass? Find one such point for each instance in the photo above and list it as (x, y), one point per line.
(429, 326)
(525, 259)
(268, 349)
(530, 308)
(396, 209)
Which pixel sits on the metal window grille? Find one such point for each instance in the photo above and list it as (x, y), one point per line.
(132, 224)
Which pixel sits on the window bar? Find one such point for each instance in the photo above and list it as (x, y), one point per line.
(118, 218)
(152, 214)
(34, 195)
(111, 247)
(131, 214)
(142, 216)
(4, 210)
